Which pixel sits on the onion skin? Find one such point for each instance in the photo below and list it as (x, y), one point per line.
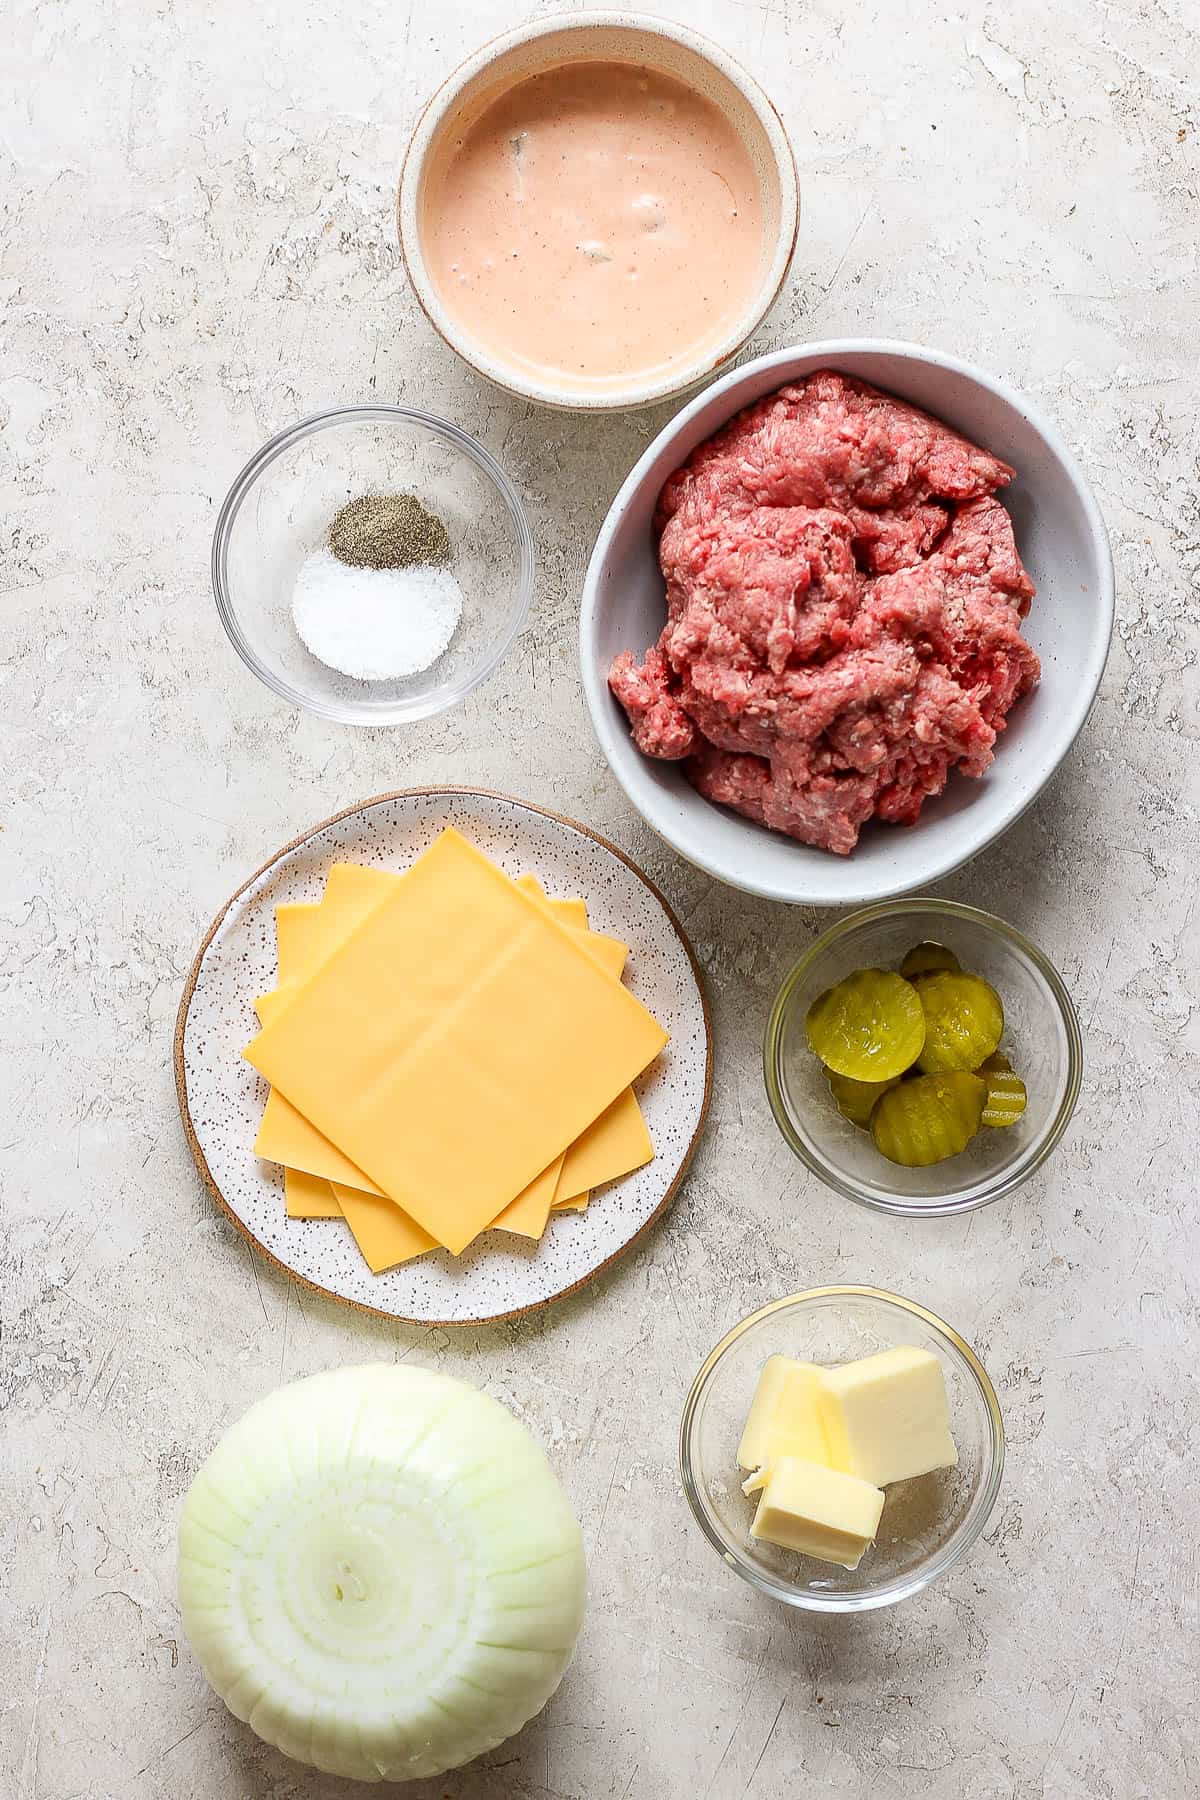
(380, 1573)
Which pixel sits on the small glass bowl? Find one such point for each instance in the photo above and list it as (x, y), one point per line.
(927, 1524)
(278, 511)
(1041, 1038)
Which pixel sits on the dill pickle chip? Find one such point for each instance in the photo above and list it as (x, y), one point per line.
(925, 1121)
(928, 959)
(964, 1021)
(870, 1026)
(856, 1099)
(1006, 1096)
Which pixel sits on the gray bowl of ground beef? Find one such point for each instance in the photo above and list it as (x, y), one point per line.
(844, 619)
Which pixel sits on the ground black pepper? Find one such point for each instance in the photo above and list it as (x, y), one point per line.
(387, 531)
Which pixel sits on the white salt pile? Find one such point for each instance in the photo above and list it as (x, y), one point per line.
(375, 624)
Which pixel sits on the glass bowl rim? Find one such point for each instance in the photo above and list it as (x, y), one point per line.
(983, 1193)
(951, 1553)
(421, 706)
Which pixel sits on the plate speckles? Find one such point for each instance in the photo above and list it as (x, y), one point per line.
(221, 1097)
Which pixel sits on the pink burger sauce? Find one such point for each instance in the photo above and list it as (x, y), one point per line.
(595, 222)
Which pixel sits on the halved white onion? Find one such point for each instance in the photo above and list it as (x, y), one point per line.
(380, 1573)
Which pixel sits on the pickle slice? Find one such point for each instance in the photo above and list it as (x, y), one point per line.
(1006, 1096)
(871, 1026)
(964, 1022)
(928, 1119)
(856, 1099)
(928, 959)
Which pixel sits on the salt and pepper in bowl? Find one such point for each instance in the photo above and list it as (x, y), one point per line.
(373, 564)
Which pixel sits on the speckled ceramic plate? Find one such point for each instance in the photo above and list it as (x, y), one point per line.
(221, 1097)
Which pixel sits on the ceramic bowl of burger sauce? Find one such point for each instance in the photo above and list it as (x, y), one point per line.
(596, 211)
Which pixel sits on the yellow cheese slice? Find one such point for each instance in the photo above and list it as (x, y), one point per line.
(307, 933)
(529, 1212)
(308, 1196)
(613, 1145)
(286, 1136)
(616, 1143)
(385, 1235)
(268, 1006)
(612, 955)
(294, 928)
(457, 998)
(351, 892)
(609, 952)
(571, 912)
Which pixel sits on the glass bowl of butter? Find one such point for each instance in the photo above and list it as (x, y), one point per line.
(868, 1435)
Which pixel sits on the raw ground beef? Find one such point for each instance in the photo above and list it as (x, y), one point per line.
(844, 598)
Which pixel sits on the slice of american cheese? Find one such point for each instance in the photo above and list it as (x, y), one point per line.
(286, 1136)
(385, 1235)
(457, 998)
(308, 1196)
(615, 1144)
(306, 935)
(528, 1214)
(383, 1232)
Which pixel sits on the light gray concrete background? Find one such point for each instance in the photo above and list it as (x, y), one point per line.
(196, 247)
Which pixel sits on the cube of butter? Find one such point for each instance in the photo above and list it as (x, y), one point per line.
(886, 1418)
(818, 1511)
(784, 1419)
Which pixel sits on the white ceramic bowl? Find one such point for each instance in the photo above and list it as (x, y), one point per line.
(626, 37)
(1064, 546)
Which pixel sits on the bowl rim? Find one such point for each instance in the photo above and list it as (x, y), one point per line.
(634, 394)
(956, 1547)
(420, 706)
(612, 730)
(982, 1193)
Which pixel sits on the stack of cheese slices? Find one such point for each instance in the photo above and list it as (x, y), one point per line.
(448, 1051)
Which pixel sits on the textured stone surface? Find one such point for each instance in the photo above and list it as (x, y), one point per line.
(196, 247)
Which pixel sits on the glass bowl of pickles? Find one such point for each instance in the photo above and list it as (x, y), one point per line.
(885, 1361)
(923, 1057)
